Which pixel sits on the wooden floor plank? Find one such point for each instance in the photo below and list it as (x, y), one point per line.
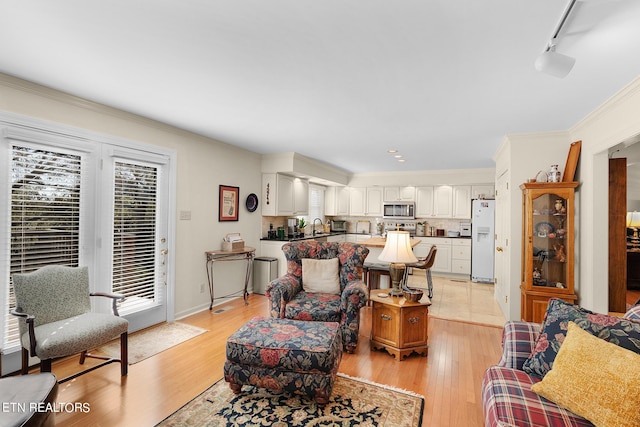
(449, 377)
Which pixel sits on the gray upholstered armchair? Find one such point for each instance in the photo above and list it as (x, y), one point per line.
(291, 299)
(55, 318)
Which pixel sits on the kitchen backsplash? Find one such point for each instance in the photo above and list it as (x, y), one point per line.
(357, 224)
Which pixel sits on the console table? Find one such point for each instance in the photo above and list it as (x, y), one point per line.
(247, 253)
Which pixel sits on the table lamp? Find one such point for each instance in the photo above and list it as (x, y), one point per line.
(633, 222)
(397, 251)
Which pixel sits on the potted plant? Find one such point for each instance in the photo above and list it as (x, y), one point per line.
(301, 225)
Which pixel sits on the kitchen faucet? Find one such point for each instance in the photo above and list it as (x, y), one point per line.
(314, 225)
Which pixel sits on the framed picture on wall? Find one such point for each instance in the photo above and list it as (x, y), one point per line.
(228, 197)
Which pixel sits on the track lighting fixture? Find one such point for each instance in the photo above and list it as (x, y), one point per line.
(550, 61)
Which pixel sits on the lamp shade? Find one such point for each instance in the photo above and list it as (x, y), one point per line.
(554, 63)
(633, 219)
(398, 248)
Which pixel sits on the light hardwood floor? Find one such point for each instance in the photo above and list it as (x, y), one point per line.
(449, 377)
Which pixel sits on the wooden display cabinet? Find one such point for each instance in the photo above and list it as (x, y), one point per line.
(547, 247)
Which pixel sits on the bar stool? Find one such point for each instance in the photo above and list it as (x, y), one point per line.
(425, 264)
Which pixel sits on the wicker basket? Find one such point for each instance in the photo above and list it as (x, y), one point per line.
(412, 295)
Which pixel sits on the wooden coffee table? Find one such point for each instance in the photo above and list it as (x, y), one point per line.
(399, 326)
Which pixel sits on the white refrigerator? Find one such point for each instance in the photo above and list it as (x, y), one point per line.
(482, 240)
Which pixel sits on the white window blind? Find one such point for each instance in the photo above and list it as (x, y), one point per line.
(316, 203)
(134, 235)
(45, 217)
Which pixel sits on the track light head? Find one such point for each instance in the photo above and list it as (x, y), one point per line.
(554, 63)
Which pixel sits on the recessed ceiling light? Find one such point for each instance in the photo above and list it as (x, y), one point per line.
(401, 160)
(392, 151)
(398, 156)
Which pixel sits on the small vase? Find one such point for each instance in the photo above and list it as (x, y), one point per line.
(554, 174)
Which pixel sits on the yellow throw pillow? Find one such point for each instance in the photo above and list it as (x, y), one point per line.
(320, 275)
(595, 379)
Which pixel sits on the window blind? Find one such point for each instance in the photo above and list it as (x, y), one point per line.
(134, 235)
(45, 217)
(316, 203)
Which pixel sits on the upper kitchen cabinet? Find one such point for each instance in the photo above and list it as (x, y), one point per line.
(374, 201)
(483, 192)
(424, 202)
(357, 202)
(392, 194)
(284, 195)
(462, 201)
(336, 201)
(300, 196)
(443, 201)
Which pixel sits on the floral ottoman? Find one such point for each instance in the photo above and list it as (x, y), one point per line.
(285, 355)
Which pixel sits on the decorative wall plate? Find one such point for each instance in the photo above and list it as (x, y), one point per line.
(252, 202)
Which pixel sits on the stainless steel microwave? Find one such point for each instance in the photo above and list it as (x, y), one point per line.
(399, 210)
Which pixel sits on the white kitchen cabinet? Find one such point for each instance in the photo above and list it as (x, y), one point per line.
(357, 201)
(336, 201)
(461, 201)
(273, 249)
(292, 195)
(483, 191)
(284, 195)
(424, 202)
(374, 201)
(342, 201)
(330, 200)
(392, 194)
(443, 201)
(300, 196)
(453, 255)
(461, 256)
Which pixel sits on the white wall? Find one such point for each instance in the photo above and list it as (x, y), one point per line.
(418, 178)
(202, 165)
(616, 121)
(522, 156)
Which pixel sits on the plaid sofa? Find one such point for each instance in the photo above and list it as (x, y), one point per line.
(507, 399)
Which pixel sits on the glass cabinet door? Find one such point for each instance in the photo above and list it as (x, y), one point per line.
(550, 245)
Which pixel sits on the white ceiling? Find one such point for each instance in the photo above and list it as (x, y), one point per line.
(341, 81)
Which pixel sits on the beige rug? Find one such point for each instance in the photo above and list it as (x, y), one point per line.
(354, 402)
(151, 341)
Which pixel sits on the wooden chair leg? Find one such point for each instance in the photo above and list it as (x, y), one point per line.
(124, 354)
(45, 365)
(83, 357)
(25, 361)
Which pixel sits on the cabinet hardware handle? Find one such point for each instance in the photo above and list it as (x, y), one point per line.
(499, 249)
(414, 319)
(385, 317)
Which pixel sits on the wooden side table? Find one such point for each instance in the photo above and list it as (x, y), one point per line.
(399, 326)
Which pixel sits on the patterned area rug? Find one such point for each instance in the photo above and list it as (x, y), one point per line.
(151, 341)
(354, 402)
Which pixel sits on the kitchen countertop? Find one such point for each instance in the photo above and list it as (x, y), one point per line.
(379, 242)
(306, 237)
(446, 237)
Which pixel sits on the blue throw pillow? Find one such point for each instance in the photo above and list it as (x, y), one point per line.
(622, 332)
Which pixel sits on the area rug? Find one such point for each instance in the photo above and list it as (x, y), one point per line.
(151, 341)
(354, 402)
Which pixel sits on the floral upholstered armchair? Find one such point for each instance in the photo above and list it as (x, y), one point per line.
(290, 300)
